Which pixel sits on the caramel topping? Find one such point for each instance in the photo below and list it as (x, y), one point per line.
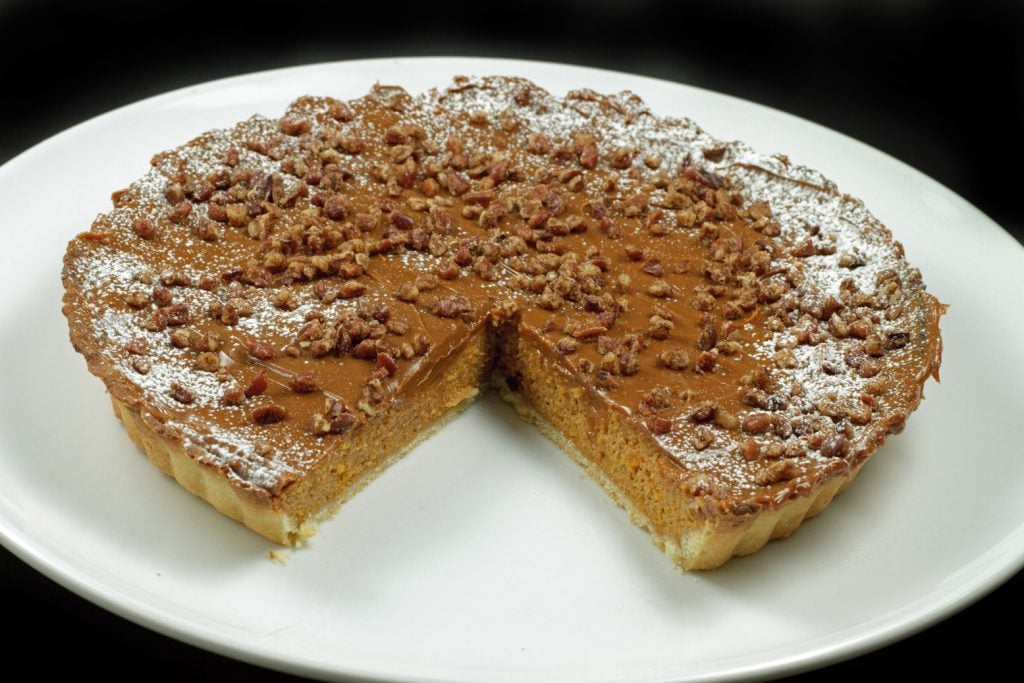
(267, 288)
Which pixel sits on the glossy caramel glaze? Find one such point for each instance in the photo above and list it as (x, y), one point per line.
(764, 330)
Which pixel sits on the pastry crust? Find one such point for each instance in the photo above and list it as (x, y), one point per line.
(719, 337)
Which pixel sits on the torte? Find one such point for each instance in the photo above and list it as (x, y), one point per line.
(281, 309)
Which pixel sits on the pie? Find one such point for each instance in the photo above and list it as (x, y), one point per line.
(282, 309)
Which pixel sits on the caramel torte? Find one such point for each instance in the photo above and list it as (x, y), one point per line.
(719, 337)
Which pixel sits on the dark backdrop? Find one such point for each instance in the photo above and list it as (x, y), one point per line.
(939, 85)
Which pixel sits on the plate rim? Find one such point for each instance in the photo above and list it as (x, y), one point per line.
(1001, 562)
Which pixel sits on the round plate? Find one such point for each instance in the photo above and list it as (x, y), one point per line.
(486, 553)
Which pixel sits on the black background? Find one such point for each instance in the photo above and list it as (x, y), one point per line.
(939, 85)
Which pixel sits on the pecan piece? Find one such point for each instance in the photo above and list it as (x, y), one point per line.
(674, 359)
(659, 327)
(453, 306)
(138, 299)
(652, 266)
(660, 289)
(708, 338)
(162, 296)
(351, 289)
(138, 346)
(305, 383)
(335, 208)
(659, 424)
(293, 125)
(758, 423)
(896, 340)
(260, 349)
(702, 438)
(336, 418)
(835, 446)
(387, 363)
(181, 394)
(566, 346)
(590, 332)
(180, 211)
(268, 414)
(178, 314)
(207, 361)
(366, 349)
(704, 412)
(257, 386)
(144, 228)
(408, 291)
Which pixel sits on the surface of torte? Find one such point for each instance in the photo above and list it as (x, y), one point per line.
(281, 309)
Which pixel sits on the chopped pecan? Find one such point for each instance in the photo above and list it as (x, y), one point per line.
(777, 472)
(175, 278)
(457, 183)
(304, 383)
(179, 212)
(181, 394)
(622, 158)
(896, 340)
(629, 362)
(207, 361)
(726, 420)
(589, 332)
(422, 344)
(702, 438)
(705, 411)
(566, 346)
(144, 228)
(181, 339)
(336, 418)
(658, 398)
(659, 327)
(335, 207)
(660, 289)
(366, 349)
(758, 423)
(257, 385)
(138, 299)
(674, 359)
(204, 342)
(260, 349)
(158, 321)
(386, 362)
(138, 346)
(659, 424)
(178, 314)
(835, 446)
(293, 125)
(408, 291)
(401, 220)
(652, 266)
(351, 289)
(453, 306)
(708, 338)
(706, 361)
(538, 143)
(162, 296)
(397, 327)
(268, 414)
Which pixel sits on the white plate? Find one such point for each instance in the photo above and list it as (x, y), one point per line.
(486, 553)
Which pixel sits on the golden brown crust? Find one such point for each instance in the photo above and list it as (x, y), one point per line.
(168, 455)
(268, 293)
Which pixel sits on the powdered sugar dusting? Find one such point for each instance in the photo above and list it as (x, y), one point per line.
(849, 254)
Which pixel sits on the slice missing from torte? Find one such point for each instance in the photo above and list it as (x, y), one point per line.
(282, 309)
